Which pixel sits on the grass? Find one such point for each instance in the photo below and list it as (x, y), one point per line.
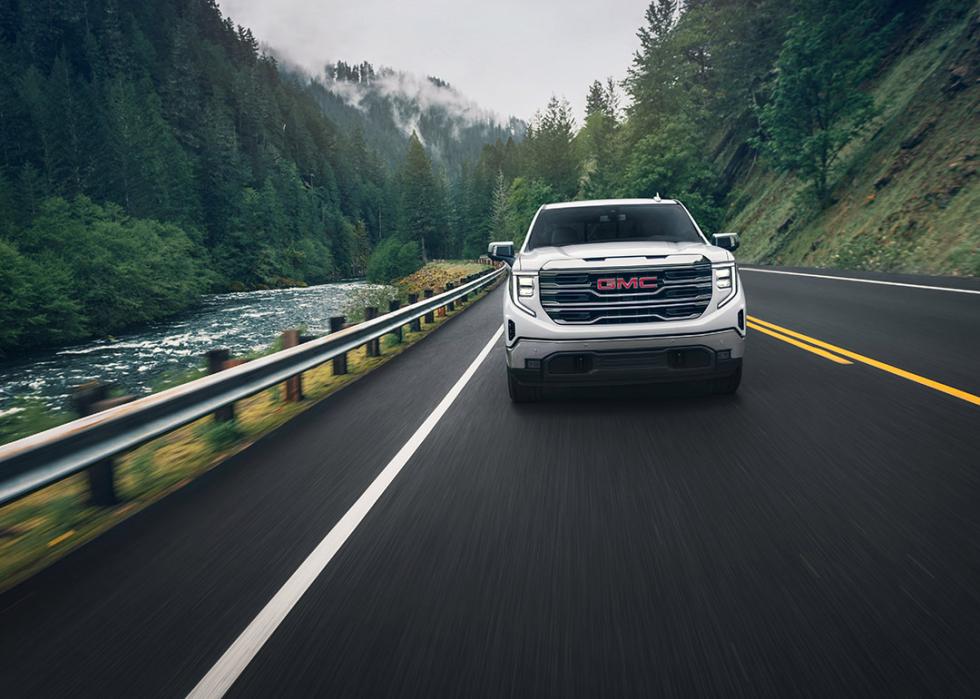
(44, 526)
(902, 204)
(437, 274)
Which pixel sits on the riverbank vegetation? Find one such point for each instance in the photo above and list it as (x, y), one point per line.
(433, 275)
(150, 152)
(44, 526)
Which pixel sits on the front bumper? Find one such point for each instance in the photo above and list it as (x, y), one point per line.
(542, 352)
(624, 361)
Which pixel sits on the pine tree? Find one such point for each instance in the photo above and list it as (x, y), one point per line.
(423, 208)
(500, 210)
(595, 101)
(550, 152)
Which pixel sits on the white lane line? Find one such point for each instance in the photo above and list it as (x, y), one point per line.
(862, 281)
(234, 661)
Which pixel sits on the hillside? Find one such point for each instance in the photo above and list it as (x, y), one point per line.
(153, 152)
(907, 196)
(387, 106)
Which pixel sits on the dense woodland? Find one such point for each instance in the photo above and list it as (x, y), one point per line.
(150, 152)
(717, 86)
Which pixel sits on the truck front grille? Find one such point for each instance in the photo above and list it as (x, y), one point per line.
(639, 295)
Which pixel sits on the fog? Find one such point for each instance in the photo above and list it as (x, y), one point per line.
(507, 56)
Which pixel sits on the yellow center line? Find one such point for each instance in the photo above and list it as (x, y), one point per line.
(935, 385)
(796, 343)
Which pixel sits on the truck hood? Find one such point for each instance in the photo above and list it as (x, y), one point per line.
(624, 254)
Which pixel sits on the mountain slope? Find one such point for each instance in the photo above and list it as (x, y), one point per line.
(389, 105)
(907, 197)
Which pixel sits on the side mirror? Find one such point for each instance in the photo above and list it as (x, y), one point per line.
(502, 251)
(729, 241)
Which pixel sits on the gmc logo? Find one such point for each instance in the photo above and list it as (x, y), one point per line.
(616, 283)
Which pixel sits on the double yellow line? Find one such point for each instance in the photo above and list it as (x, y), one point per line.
(839, 355)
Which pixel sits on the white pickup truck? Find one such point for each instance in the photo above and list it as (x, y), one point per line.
(621, 292)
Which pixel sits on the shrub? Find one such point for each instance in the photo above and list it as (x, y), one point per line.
(393, 259)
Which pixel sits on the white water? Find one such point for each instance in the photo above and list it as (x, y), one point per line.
(136, 361)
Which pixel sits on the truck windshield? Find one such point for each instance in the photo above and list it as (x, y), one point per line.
(605, 224)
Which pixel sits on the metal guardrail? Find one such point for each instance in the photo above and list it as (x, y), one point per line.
(34, 462)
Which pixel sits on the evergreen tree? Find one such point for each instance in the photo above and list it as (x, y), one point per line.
(500, 210)
(550, 153)
(423, 207)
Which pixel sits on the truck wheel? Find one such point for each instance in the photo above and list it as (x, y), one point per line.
(519, 393)
(729, 384)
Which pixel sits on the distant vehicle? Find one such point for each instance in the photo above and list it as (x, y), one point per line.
(618, 292)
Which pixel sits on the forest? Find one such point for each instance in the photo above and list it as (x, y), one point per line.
(724, 96)
(151, 152)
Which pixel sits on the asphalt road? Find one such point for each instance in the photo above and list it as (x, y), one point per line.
(818, 534)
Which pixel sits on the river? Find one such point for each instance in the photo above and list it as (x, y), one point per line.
(139, 360)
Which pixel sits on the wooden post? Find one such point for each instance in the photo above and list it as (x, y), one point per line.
(89, 399)
(429, 317)
(394, 306)
(294, 384)
(373, 346)
(415, 325)
(466, 297)
(451, 306)
(340, 361)
(217, 361)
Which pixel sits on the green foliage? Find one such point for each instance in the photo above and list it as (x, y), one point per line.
(599, 142)
(550, 152)
(524, 199)
(671, 162)
(423, 205)
(817, 105)
(82, 269)
(393, 259)
(180, 157)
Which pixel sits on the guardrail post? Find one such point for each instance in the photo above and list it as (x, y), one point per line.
(451, 306)
(394, 306)
(294, 384)
(217, 361)
(416, 324)
(340, 361)
(466, 296)
(373, 346)
(429, 317)
(89, 399)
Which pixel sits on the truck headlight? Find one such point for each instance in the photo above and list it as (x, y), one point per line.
(522, 287)
(726, 279)
(723, 277)
(525, 286)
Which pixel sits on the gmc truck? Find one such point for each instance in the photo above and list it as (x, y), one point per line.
(621, 292)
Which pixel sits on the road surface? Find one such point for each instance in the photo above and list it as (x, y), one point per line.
(416, 534)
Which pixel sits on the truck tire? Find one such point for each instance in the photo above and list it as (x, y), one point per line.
(519, 393)
(729, 384)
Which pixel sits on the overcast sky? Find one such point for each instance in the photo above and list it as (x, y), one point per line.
(508, 55)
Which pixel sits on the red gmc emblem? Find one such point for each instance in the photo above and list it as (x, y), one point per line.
(616, 283)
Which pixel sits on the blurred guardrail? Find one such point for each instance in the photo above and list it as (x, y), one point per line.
(90, 442)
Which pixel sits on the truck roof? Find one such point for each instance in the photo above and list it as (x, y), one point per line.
(606, 202)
